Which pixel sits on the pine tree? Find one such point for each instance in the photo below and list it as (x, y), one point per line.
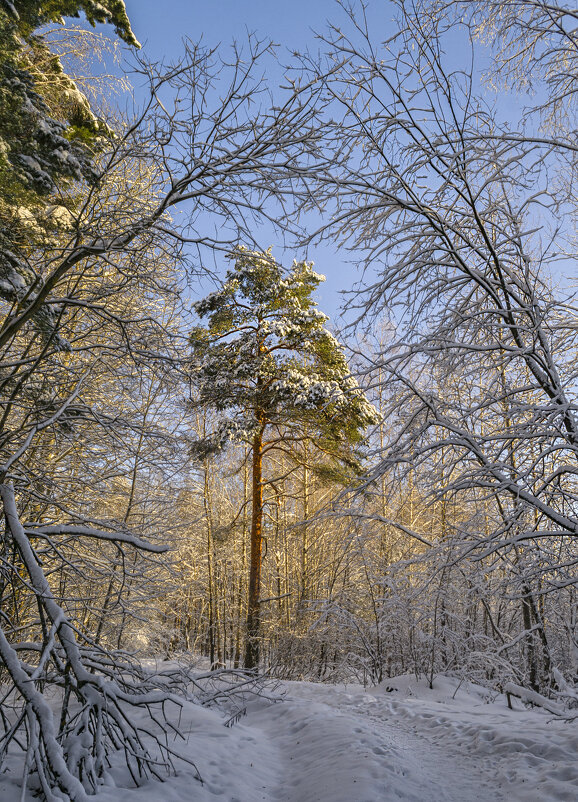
(277, 377)
(48, 135)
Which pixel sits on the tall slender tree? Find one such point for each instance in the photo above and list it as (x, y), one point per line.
(278, 378)
(63, 292)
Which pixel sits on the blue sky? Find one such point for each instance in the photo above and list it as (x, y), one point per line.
(162, 24)
(160, 27)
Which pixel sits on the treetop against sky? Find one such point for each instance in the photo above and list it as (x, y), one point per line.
(162, 27)
(296, 27)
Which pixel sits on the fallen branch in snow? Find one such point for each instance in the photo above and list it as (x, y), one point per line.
(531, 697)
(98, 692)
(228, 688)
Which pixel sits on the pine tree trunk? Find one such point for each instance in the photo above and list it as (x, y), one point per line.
(304, 589)
(253, 607)
(210, 564)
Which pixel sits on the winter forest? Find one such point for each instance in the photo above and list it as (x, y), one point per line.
(244, 524)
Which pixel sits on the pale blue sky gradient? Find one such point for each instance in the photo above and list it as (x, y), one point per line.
(161, 26)
(291, 24)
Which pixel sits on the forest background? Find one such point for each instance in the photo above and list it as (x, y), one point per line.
(448, 541)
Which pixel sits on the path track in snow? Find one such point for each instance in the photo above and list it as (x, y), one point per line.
(332, 744)
(326, 743)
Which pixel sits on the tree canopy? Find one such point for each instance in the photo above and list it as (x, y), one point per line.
(230, 490)
(48, 132)
(265, 359)
(279, 379)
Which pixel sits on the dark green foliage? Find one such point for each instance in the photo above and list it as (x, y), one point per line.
(31, 14)
(266, 356)
(48, 136)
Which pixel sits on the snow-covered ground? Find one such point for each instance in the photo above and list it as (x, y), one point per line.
(327, 743)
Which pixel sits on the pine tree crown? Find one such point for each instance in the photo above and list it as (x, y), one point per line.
(265, 358)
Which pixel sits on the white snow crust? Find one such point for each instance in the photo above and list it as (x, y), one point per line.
(399, 741)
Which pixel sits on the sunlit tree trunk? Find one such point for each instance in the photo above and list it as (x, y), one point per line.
(304, 589)
(253, 604)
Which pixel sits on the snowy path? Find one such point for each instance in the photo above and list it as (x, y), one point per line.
(350, 746)
(327, 743)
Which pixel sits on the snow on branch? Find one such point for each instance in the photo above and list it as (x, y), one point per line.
(532, 697)
(41, 531)
(95, 719)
